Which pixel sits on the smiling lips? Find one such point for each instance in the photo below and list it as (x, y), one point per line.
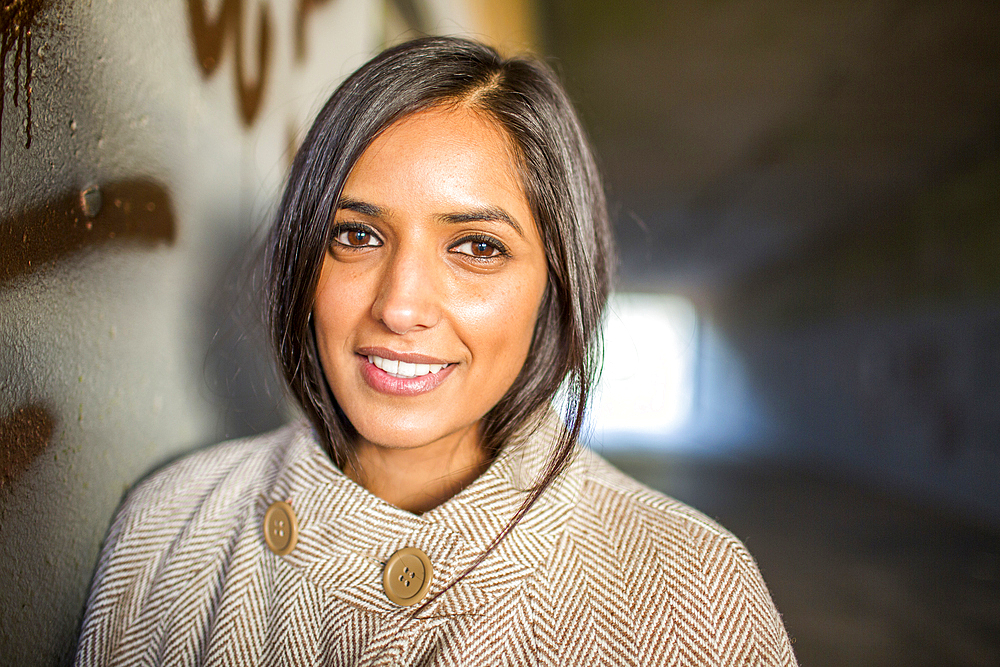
(402, 369)
(402, 378)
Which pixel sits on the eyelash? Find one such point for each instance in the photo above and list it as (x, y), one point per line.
(354, 227)
(501, 249)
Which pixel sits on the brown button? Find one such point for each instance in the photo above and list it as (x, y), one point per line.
(281, 530)
(407, 576)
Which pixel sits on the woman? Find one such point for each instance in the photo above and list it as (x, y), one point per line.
(436, 273)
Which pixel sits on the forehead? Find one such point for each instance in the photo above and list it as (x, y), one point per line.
(457, 124)
(452, 148)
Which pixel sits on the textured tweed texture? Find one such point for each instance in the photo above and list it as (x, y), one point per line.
(602, 570)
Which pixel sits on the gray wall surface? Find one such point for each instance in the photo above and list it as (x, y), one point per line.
(143, 144)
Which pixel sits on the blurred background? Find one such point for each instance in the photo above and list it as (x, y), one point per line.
(804, 342)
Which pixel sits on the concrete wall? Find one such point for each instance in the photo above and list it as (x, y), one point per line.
(143, 145)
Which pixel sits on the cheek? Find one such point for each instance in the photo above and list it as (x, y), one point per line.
(500, 321)
(340, 302)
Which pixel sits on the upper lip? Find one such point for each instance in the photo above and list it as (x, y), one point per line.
(408, 357)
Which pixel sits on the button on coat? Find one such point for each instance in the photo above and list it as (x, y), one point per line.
(601, 570)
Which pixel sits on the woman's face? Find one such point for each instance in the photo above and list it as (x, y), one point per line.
(428, 296)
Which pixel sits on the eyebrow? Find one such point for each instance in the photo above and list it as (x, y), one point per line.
(483, 214)
(364, 208)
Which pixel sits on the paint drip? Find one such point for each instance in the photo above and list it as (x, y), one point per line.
(17, 19)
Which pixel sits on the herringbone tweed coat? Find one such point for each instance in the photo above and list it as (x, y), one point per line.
(601, 571)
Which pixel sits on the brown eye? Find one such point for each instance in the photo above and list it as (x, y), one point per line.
(480, 248)
(356, 237)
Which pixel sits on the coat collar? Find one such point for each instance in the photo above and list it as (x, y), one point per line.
(346, 534)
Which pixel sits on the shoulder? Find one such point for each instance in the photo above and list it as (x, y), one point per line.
(179, 526)
(212, 483)
(692, 582)
(234, 462)
(626, 509)
(186, 509)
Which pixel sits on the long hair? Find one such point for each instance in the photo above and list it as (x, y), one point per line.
(563, 188)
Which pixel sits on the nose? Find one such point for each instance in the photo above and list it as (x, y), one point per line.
(409, 298)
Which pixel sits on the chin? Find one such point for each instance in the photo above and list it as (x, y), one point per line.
(404, 434)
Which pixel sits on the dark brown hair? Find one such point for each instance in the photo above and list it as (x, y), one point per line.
(563, 189)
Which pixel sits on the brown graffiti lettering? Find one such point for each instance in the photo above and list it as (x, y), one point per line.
(211, 35)
(210, 39)
(411, 13)
(301, 19)
(136, 210)
(24, 435)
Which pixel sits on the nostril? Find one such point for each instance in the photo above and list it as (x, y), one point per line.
(407, 299)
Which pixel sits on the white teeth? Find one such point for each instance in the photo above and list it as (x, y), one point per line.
(403, 369)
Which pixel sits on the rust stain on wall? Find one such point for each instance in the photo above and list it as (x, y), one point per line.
(40, 237)
(24, 434)
(17, 18)
(210, 38)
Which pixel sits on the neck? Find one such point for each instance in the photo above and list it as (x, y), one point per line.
(418, 479)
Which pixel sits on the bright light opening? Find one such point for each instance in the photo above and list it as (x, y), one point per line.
(647, 386)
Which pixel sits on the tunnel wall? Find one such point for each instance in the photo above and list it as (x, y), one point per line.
(820, 179)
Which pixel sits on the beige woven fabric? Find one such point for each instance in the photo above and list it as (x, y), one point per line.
(602, 571)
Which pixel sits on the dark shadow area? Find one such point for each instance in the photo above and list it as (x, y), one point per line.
(860, 577)
(739, 133)
(822, 180)
(239, 369)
